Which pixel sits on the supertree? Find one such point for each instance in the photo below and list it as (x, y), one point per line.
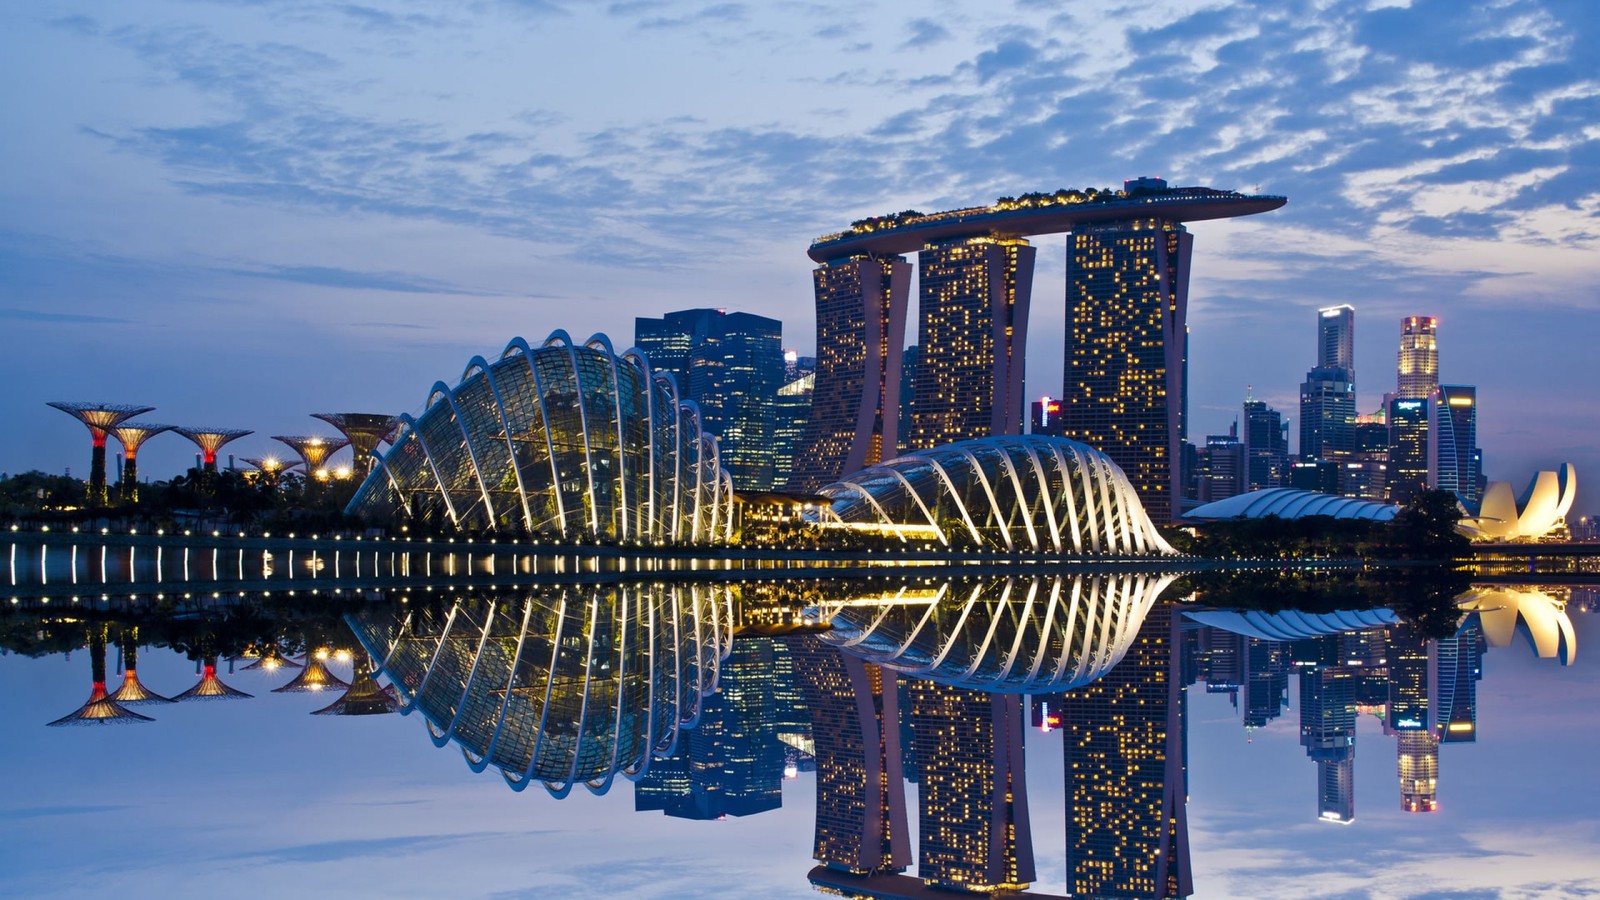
(210, 440)
(100, 709)
(270, 468)
(364, 431)
(314, 449)
(99, 418)
(133, 692)
(132, 436)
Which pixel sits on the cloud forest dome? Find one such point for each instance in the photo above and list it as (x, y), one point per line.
(1014, 493)
(563, 686)
(556, 439)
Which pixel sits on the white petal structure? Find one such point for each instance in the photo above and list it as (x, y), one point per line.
(1541, 509)
(564, 687)
(1028, 493)
(560, 438)
(1539, 618)
(1010, 635)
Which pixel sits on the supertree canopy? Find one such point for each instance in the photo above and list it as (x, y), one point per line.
(364, 432)
(100, 419)
(132, 436)
(314, 449)
(210, 440)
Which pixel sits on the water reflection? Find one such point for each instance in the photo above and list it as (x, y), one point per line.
(683, 689)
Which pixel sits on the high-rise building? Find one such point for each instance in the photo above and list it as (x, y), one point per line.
(1220, 470)
(1126, 785)
(1327, 414)
(909, 363)
(1419, 357)
(972, 810)
(1336, 337)
(861, 328)
(1328, 732)
(790, 410)
(1320, 475)
(1408, 448)
(972, 319)
(1045, 417)
(861, 812)
(1418, 764)
(1266, 447)
(1126, 371)
(731, 366)
(1266, 681)
(1453, 458)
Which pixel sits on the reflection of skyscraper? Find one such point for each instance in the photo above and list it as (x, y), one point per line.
(973, 805)
(1419, 357)
(1266, 681)
(861, 813)
(1328, 732)
(855, 406)
(1461, 661)
(1419, 771)
(1127, 823)
(972, 307)
(1125, 370)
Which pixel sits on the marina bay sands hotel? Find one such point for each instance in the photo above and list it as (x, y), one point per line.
(1124, 386)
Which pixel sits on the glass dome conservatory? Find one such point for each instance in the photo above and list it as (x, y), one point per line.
(558, 439)
(1028, 493)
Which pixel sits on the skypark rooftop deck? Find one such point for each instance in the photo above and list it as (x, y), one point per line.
(1033, 214)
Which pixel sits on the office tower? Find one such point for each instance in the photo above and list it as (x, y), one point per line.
(1327, 414)
(1045, 417)
(1453, 458)
(1126, 786)
(1328, 732)
(731, 366)
(1266, 447)
(1407, 470)
(972, 808)
(790, 410)
(910, 361)
(1220, 471)
(1419, 357)
(1418, 764)
(972, 321)
(861, 327)
(1365, 474)
(1320, 475)
(1125, 377)
(861, 812)
(1336, 337)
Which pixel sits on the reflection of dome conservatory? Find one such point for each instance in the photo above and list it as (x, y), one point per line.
(1013, 635)
(557, 438)
(1539, 618)
(1030, 493)
(1291, 624)
(574, 685)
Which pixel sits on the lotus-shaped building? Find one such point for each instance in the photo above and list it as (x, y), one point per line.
(1541, 509)
(557, 439)
(1028, 493)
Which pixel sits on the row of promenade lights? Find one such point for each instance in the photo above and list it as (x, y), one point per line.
(362, 433)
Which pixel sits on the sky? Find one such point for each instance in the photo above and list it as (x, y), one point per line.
(242, 213)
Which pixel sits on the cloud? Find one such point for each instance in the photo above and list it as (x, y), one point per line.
(324, 276)
(30, 315)
(925, 33)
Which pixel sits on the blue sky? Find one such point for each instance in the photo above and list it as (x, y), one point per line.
(242, 213)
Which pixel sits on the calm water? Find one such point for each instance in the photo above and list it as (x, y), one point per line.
(1269, 767)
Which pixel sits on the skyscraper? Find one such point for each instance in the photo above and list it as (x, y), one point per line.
(1328, 396)
(1126, 374)
(972, 306)
(1127, 791)
(972, 810)
(861, 811)
(861, 328)
(1417, 760)
(1266, 447)
(731, 366)
(1221, 467)
(1336, 337)
(790, 411)
(1419, 357)
(1453, 458)
(1407, 470)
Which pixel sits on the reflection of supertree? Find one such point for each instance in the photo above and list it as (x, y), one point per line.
(363, 431)
(365, 696)
(99, 418)
(100, 709)
(271, 658)
(210, 440)
(314, 449)
(314, 677)
(133, 691)
(210, 687)
(132, 436)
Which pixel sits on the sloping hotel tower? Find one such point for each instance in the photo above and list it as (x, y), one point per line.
(1127, 305)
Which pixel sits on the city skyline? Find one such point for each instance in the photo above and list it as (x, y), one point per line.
(203, 199)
